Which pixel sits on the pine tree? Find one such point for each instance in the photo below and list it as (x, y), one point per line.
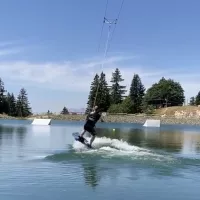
(19, 107)
(99, 93)
(92, 94)
(137, 90)
(3, 103)
(197, 100)
(11, 104)
(117, 90)
(22, 105)
(192, 101)
(103, 97)
(48, 112)
(64, 111)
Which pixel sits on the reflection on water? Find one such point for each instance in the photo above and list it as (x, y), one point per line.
(91, 174)
(10, 133)
(40, 130)
(178, 141)
(169, 140)
(12, 140)
(45, 163)
(21, 135)
(6, 129)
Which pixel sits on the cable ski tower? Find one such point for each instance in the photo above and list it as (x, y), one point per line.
(110, 23)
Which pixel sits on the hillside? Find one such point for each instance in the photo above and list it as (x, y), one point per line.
(179, 111)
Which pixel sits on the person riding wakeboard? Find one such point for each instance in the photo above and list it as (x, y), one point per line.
(89, 126)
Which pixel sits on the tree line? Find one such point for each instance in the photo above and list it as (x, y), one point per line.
(14, 106)
(194, 101)
(112, 98)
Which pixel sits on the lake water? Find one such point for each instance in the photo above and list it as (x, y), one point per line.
(130, 162)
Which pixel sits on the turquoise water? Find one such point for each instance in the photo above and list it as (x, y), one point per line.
(44, 162)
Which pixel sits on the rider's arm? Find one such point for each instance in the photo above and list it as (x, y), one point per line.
(87, 117)
(102, 119)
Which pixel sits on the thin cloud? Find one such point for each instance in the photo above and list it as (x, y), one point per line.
(7, 43)
(5, 52)
(77, 76)
(9, 48)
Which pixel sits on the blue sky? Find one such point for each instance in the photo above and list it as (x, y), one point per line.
(51, 47)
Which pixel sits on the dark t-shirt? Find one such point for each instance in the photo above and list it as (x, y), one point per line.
(92, 118)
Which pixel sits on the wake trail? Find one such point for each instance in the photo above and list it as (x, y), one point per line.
(118, 148)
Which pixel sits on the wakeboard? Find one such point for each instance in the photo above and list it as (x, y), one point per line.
(81, 140)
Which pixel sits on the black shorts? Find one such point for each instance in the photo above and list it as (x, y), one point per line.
(90, 129)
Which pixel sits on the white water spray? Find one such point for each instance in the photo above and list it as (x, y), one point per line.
(113, 148)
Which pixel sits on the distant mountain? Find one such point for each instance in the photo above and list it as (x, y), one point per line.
(78, 110)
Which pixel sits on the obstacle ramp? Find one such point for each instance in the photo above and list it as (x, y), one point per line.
(152, 123)
(42, 122)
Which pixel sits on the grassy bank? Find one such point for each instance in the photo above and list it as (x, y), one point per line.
(171, 115)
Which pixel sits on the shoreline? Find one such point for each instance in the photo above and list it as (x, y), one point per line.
(118, 118)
